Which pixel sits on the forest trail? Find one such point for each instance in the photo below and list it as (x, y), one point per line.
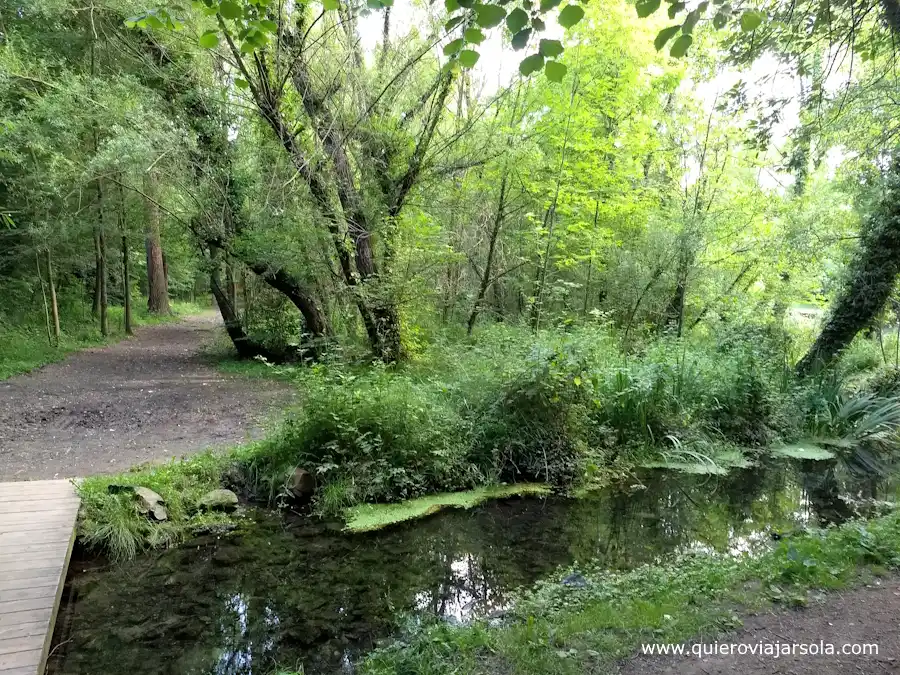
(144, 399)
(861, 616)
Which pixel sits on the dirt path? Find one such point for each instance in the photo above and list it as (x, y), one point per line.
(869, 615)
(148, 398)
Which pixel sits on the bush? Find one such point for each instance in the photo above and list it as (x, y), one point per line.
(380, 437)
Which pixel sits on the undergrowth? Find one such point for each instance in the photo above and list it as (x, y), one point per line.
(572, 410)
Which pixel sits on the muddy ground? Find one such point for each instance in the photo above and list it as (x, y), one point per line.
(145, 399)
(869, 615)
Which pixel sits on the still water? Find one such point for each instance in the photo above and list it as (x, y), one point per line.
(298, 592)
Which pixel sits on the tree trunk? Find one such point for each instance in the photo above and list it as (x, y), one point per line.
(157, 286)
(281, 281)
(54, 306)
(245, 347)
(489, 261)
(870, 280)
(126, 285)
(230, 285)
(37, 260)
(104, 300)
(98, 292)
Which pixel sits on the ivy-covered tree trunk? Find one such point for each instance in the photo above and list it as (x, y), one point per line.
(870, 280)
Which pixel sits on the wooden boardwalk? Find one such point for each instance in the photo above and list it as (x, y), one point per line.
(37, 529)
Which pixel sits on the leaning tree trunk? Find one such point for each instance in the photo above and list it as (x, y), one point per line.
(157, 287)
(245, 347)
(870, 280)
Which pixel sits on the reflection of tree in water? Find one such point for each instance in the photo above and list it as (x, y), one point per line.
(302, 593)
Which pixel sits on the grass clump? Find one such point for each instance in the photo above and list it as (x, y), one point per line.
(111, 522)
(558, 628)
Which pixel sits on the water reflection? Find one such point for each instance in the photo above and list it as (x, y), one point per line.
(299, 593)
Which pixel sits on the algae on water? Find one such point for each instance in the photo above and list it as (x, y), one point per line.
(369, 517)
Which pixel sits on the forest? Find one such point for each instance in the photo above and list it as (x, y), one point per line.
(541, 243)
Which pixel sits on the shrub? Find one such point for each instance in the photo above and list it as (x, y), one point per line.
(373, 438)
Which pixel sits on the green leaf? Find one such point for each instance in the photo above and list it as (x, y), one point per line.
(520, 39)
(681, 45)
(690, 21)
(466, 3)
(209, 40)
(570, 15)
(550, 48)
(674, 8)
(531, 64)
(489, 16)
(555, 72)
(719, 20)
(538, 24)
(751, 20)
(453, 23)
(230, 9)
(152, 21)
(330, 5)
(454, 46)
(468, 58)
(269, 25)
(664, 36)
(646, 7)
(547, 5)
(240, 83)
(517, 20)
(374, 4)
(473, 36)
(451, 5)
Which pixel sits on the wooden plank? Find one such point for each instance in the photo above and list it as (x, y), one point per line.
(19, 538)
(27, 629)
(15, 606)
(9, 585)
(31, 593)
(37, 572)
(52, 550)
(22, 659)
(30, 564)
(38, 506)
(37, 531)
(16, 618)
(21, 644)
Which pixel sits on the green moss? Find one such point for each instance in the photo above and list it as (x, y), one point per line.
(803, 451)
(368, 517)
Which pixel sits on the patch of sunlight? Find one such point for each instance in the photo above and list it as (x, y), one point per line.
(368, 517)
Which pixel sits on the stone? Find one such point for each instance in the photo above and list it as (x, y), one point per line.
(575, 580)
(149, 503)
(218, 500)
(301, 485)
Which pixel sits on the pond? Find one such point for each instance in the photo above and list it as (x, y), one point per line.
(298, 592)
